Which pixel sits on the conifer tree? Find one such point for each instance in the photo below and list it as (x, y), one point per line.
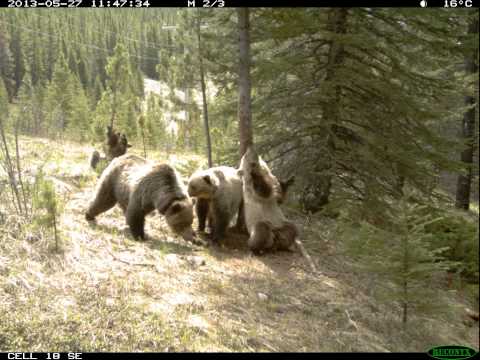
(6, 64)
(79, 118)
(399, 252)
(47, 205)
(18, 58)
(60, 96)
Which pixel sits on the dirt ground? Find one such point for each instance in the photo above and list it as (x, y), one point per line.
(103, 291)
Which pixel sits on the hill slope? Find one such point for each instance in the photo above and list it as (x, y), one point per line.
(106, 292)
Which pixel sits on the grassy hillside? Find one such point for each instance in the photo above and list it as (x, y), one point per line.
(103, 291)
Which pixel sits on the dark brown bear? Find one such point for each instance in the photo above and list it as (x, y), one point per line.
(115, 146)
(140, 187)
(95, 158)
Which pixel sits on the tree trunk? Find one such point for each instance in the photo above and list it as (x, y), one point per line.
(204, 96)
(143, 141)
(337, 25)
(244, 83)
(55, 233)
(464, 181)
(114, 104)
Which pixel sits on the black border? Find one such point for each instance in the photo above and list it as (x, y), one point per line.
(130, 4)
(152, 356)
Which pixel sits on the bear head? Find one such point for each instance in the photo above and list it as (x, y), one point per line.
(202, 185)
(179, 216)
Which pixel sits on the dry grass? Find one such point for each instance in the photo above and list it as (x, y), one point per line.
(106, 292)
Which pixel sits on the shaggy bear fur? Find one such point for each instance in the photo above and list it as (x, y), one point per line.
(281, 192)
(219, 193)
(140, 187)
(268, 228)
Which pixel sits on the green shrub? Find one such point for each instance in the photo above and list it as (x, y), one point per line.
(46, 205)
(461, 237)
(398, 250)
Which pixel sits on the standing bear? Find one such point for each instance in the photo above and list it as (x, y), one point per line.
(268, 228)
(219, 194)
(115, 146)
(140, 187)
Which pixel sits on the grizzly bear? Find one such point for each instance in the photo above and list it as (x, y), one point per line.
(268, 228)
(218, 192)
(95, 158)
(280, 189)
(140, 187)
(115, 146)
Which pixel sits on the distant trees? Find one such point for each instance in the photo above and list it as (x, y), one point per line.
(350, 100)
(52, 64)
(6, 62)
(119, 105)
(60, 96)
(10, 160)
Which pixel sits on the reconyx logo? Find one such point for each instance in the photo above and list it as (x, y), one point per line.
(451, 352)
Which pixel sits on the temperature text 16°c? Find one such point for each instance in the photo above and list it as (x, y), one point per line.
(458, 3)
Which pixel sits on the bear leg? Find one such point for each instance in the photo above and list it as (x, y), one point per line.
(221, 220)
(262, 238)
(201, 208)
(285, 236)
(104, 200)
(241, 225)
(135, 217)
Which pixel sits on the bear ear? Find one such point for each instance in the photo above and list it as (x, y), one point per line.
(176, 208)
(286, 184)
(207, 179)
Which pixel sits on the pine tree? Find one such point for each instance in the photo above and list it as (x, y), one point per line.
(336, 90)
(51, 51)
(120, 93)
(399, 252)
(4, 106)
(34, 66)
(47, 205)
(117, 72)
(18, 59)
(6, 64)
(59, 97)
(79, 119)
(142, 129)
